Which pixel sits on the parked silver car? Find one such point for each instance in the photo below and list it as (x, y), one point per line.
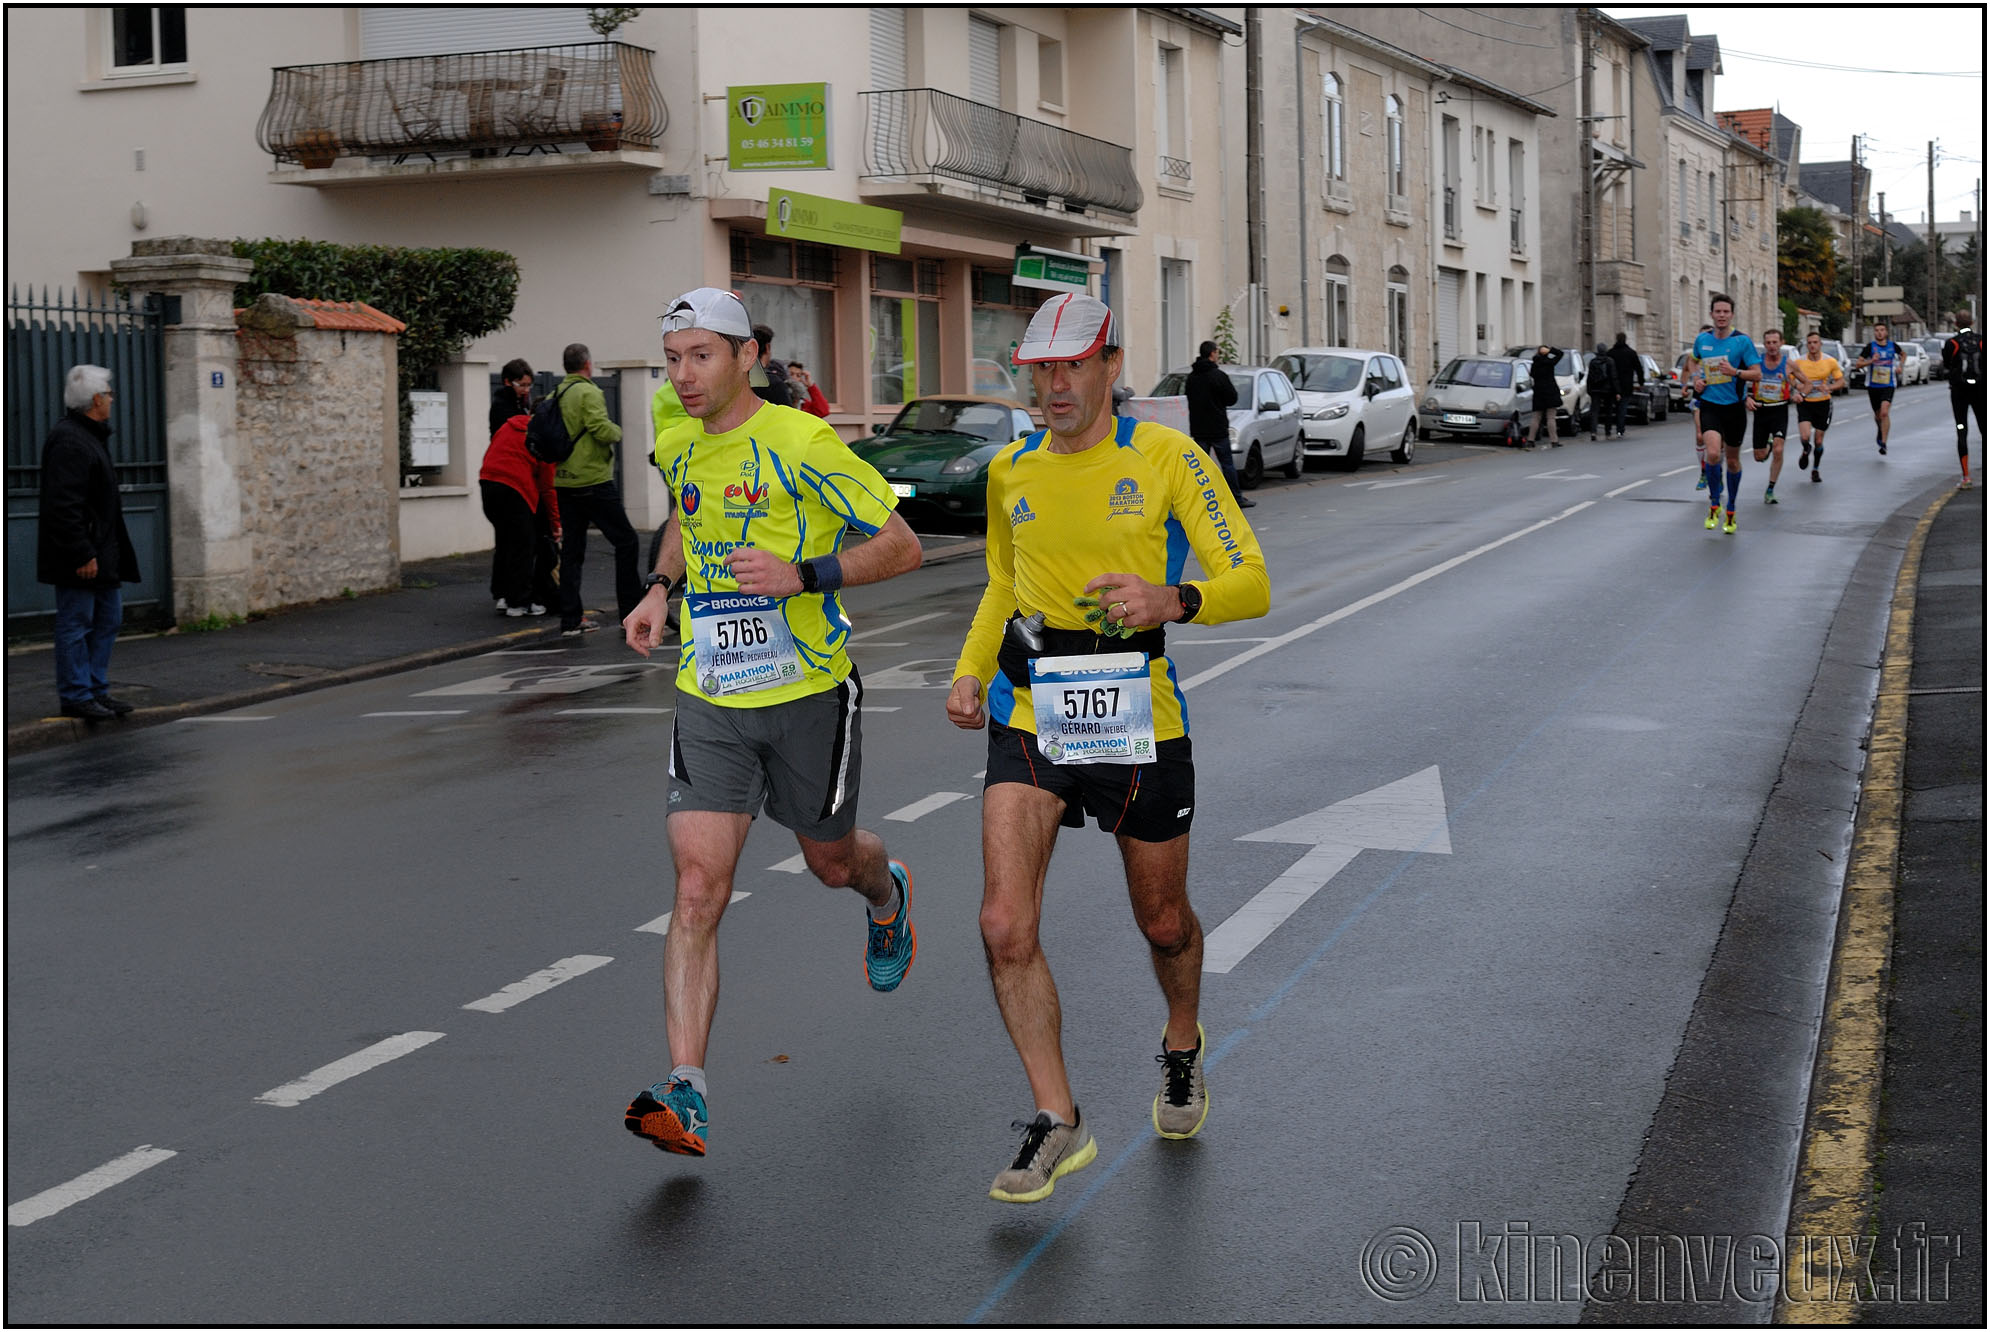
(1352, 400)
(1477, 397)
(1572, 376)
(1264, 425)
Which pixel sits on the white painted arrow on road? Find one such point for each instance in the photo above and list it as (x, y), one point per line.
(1406, 815)
(1564, 474)
(1391, 485)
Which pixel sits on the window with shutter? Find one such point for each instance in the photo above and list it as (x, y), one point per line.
(984, 61)
(888, 63)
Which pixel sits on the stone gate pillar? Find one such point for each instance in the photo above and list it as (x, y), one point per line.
(197, 279)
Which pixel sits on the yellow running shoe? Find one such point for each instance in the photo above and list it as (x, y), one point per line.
(1728, 526)
(1183, 1102)
(1049, 1151)
(1713, 517)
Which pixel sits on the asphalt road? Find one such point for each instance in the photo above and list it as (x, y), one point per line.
(1554, 704)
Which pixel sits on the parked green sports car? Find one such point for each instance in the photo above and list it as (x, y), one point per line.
(936, 451)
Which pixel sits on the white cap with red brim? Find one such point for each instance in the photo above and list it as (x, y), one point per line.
(1068, 327)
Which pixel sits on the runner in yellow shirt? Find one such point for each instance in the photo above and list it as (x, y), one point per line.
(1817, 376)
(1090, 525)
(768, 702)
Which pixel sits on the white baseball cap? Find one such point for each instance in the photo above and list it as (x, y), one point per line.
(707, 308)
(1068, 327)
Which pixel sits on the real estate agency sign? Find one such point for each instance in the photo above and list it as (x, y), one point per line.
(777, 126)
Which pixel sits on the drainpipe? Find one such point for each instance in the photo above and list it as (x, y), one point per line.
(1299, 30)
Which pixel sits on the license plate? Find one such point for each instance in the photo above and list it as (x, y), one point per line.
(903, 491)
(1460, 418)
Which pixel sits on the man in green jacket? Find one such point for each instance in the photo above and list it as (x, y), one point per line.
(588, 493)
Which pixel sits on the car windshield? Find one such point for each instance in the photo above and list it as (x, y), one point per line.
(1477, 374)
(1322, 374)
(1176, 384)
(938, 416)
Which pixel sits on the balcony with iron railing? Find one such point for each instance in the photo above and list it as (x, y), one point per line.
(1516, 230)
(1452, 230)
(963, 156)
(533, 108)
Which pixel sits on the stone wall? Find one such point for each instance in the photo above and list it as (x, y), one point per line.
(315, 404)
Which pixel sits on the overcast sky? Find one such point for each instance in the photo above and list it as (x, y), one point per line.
(1897, 112)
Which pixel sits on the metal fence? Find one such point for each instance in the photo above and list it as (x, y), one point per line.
(531, 99)
(912, 132)
(45, 338)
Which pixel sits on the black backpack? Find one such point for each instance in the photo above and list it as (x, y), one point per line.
(546, 437)
(1603, 377)
(1968, 355)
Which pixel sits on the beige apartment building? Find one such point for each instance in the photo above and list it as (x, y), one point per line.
(607, 167)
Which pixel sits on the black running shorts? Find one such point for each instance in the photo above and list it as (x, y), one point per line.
(1149, 802)
(1771, 423)
(1816, 415)
(1729, 418)
(1876, 396)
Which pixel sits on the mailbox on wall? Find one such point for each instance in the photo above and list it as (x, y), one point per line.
(428, 438)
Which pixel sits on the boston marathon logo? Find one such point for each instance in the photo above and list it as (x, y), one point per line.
(1126, 501)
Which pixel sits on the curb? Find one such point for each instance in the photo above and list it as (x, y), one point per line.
(49, 732)
(52, 731)
(1834, 1185)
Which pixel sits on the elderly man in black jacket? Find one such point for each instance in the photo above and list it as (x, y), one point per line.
(84, 549)
(1210, 396)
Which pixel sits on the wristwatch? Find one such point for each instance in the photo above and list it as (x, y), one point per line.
(653, 580)
(1191, 596)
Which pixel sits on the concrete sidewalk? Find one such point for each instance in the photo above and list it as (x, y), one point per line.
(441, 611)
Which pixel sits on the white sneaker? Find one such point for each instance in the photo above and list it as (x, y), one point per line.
(537, 609)
(501, 607)
(515, 612)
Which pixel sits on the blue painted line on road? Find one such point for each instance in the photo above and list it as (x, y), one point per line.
(1265, 1010)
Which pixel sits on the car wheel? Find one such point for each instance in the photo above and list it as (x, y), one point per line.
(1296, 463)
(1355, 448)
(1252, 472)
(1407, 449)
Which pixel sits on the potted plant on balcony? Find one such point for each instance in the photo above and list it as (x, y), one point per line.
(315, 145)
(602, 130)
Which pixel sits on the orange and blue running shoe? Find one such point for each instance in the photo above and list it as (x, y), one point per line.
(670, 1114)
(892, 944)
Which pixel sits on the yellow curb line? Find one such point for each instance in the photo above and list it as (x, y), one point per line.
(1832, 1202)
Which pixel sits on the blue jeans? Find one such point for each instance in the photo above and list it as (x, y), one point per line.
(86, 625)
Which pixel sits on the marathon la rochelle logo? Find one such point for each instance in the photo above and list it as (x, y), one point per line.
(1021, 514)
(1126, 501)
(688, 498)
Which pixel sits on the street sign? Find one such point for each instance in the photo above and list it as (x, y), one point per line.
(1877, 309)
(774, 126)
(1871, 294)
(811, 217)
(1405, 815)
(1049, 272)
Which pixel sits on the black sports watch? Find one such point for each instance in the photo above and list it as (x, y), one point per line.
(1191, 596)
(653, 580)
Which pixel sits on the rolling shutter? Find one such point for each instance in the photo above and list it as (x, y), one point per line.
(984, 61)
(386, 31)
(1450, 293)
(888, 66)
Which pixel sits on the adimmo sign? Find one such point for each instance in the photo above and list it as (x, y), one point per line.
(777, 126)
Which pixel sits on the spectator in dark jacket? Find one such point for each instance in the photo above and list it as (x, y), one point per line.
(777, 389)
(1630, 375)
(83, 548)
(1210, 396)
(1547, 394)
(1606, 395)
(513, 395)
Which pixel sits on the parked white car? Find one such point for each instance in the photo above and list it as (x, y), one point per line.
(1915, 371)
(1350, 401)
(1264, 424)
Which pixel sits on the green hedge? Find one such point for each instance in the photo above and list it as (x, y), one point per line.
(446, 297)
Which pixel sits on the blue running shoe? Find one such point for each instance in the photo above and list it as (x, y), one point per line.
(893, 943)
(1701, 484)
(670, 1114)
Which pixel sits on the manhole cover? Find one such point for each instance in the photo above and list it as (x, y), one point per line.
(287, 670)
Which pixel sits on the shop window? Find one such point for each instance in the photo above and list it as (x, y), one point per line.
(905, 329)
(790, 286)
(1000, 316)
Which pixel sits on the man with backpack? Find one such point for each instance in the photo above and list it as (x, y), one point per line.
(1630, 375)
(1603, 390)
(585, 480)
(1962, 358)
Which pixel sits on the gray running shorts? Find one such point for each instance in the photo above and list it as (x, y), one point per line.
(801, 758)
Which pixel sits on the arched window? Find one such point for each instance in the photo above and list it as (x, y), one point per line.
(1333, 129)
(1339, 330)
(1399, 312)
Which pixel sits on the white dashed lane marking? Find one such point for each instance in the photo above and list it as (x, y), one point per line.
(539, 982)
(611, 712)
(332, 1074)
(661, 925)
(434, 712)
(50, 1201)
(920, 808)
